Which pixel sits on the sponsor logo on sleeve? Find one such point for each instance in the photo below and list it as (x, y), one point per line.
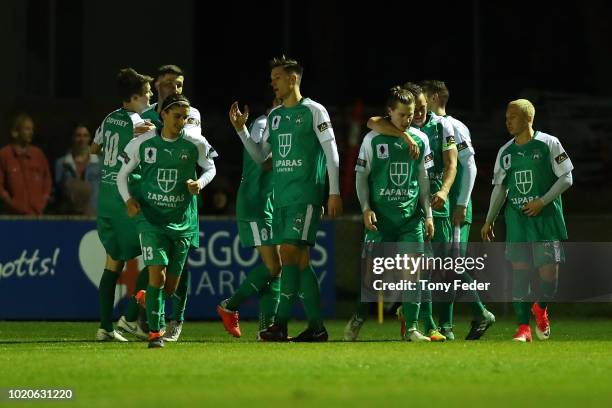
(450, 140)
(561, 158)
(324, 126)
(361, 163)
(462, 145)
(428, 159)
(124, 157)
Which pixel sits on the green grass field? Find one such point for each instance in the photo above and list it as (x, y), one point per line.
(209, 368)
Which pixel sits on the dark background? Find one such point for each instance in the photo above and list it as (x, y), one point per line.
(60, 58)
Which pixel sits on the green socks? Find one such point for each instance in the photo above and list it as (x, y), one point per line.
(141, 283)
(256, 280)
(155, 307)
(290, 283)
(269, 297)
(311, 297)
(106, 297)
(179, 298)
(520, 293)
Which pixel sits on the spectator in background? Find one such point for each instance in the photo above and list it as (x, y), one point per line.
(77, 176)
(25, 179)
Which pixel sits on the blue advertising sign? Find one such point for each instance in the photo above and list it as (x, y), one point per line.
(50, 269)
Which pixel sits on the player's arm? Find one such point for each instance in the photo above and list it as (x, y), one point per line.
(425, 163)
(206, 154)
(258, 151)
(130, 160)
(466, 185)
(362, 185)
(449, 156)
(325, 134)
(498, 197)
(562, 167)
(98, 142)
(382, 125)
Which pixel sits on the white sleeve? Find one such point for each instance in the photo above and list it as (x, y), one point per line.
(258, 151)
(363, 190)
(424, 192)
(99, 136)
(498, 197)
(501, 165)
(136, 119)
(129, 159)
(321, 123)
(206, 154)
(428, 161)
(563, 183)
(258, 129)
(559, 159)
(448, 135)
(468, 178)
(333, 165)
(364, 160)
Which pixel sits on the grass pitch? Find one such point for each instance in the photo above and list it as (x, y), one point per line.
(209, 368)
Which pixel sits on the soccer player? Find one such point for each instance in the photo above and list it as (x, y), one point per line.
(167, 159)
(437, 95)
(301, 139)
(254, 215)
(532, 170)
(116, 230)
(170, 80)
(440, 134)
(384, 165)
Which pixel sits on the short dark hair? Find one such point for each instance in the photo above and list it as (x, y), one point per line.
(289, 65)
(436, 86)
(414, 89)
(173, 100)
(130, 83)
(169, 69)
(396, 95)
(19, 119)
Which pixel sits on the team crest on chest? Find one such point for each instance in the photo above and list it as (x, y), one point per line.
(524, 181)
(166, 179)
(399, 172)
(284, 144)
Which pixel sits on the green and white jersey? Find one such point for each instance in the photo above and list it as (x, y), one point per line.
(150, 114)
(441, 136)
(165, 167)
(254, 198)
(465, 150)
(299, 166)
(114, 134)
(529, 170)
(393, 175)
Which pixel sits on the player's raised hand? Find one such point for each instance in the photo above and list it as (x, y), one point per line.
(193, 186)
(429, 229)
(238, 118)
(533, 208)
(486, 232)
(369, 220)
(334, 205)
(413, 147)
(133, 207)
(143, 128)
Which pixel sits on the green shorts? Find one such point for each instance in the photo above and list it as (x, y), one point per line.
(409, 235)
(162, 249)
(296, 224)
(255, 233)
(119, 236)
(535, 253)
(443, 236)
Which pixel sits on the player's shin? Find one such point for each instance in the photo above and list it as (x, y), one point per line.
(290, 283)
(106, 296)
(309, 288)
(520, 294)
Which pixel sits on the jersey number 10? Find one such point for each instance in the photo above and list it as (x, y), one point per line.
(111, 147)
